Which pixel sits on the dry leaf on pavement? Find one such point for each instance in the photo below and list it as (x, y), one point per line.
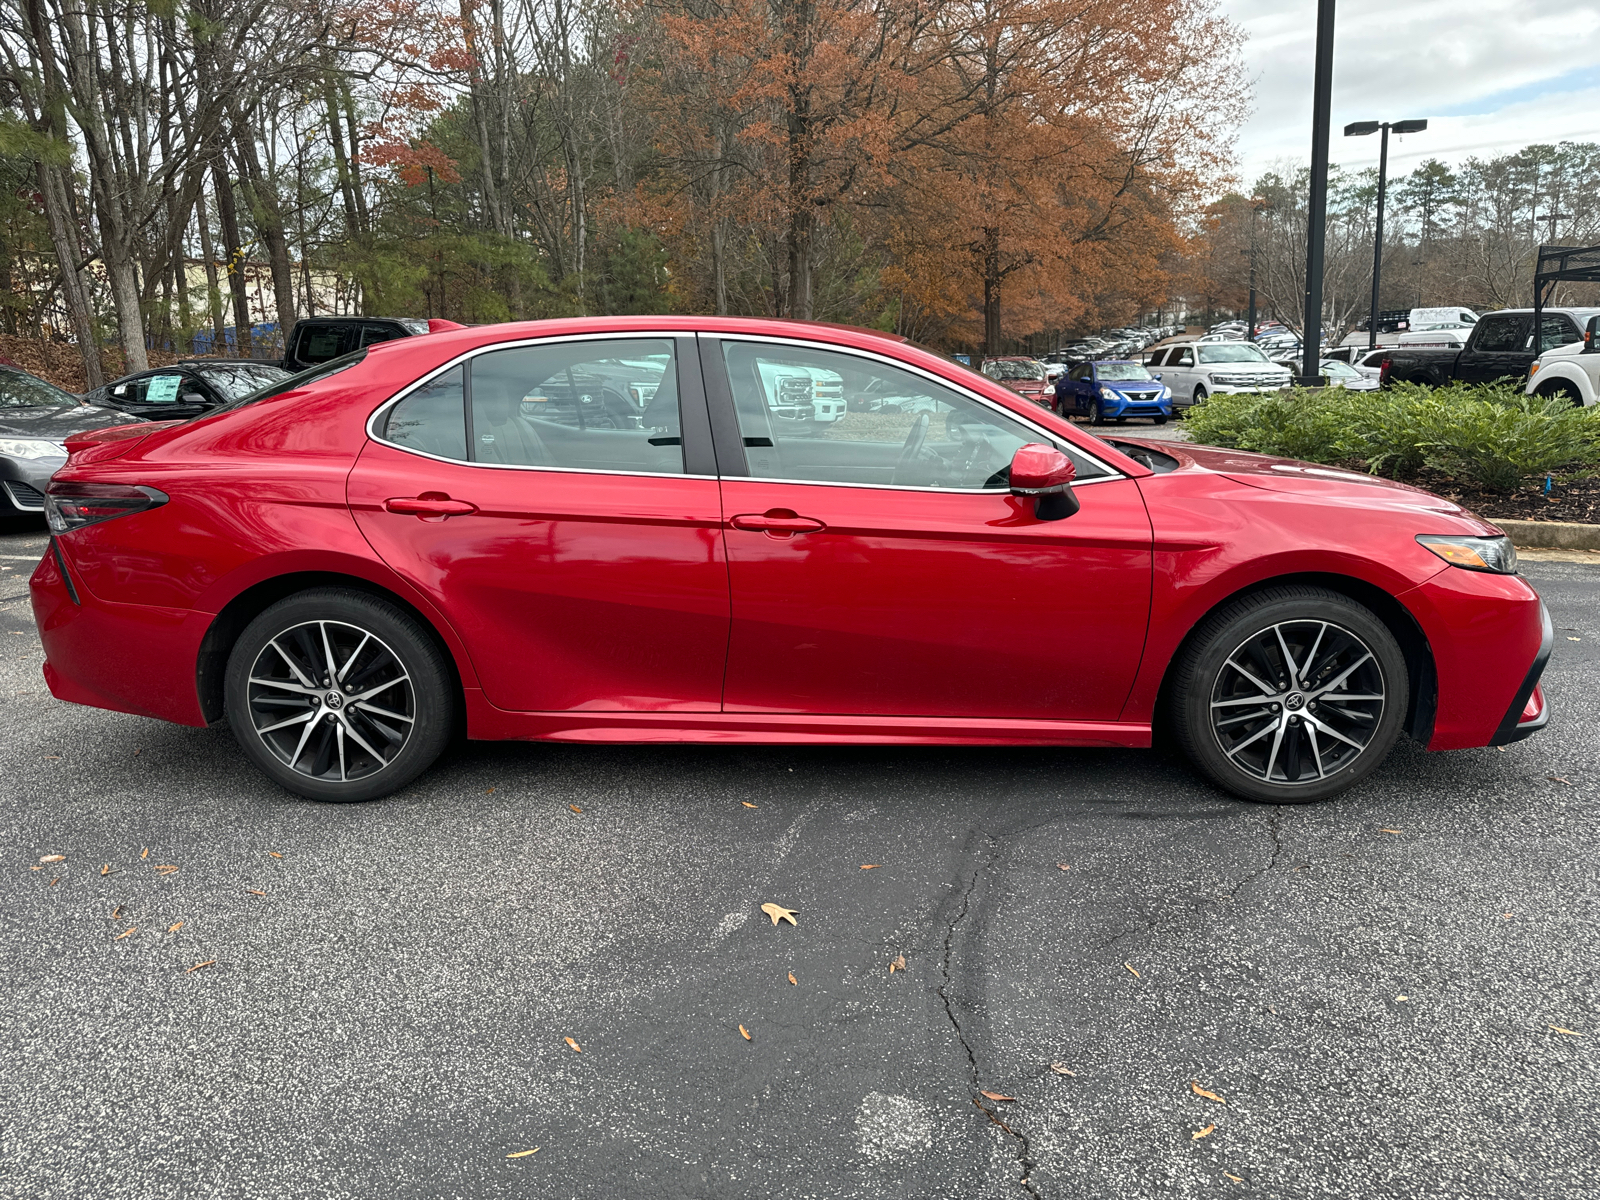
(793, 980)
(1568, 1032)
(575, 808)
(145, 853)
(255, 892)
(779, 913)
(899, 964)
(54, 881)
(995, 1095)
(1559, 779)
(869, 866)
(124, 934)
(106, 870)
(1194, 1086)
(1136, 974)
(747, 804)
(745, 1032)
(175, 928)
(274, 854)
(577, 1048)
(1064, 866)
(1390, 831)
(1200, 1133)
(54, 858)
(1061, 1069)
(116, 912)
(524, 1153)
(1235, 1178)
(210, 962)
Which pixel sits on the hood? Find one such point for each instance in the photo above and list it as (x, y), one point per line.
(1312, 480)
(58, 424)
(1027, 387)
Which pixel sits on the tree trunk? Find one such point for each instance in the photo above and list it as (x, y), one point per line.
(991, 291)
(219, 322)
(64, 236)
(229, 217)
(268, 216)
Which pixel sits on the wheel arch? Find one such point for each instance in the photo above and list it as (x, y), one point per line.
(1396, 617)
(211, 663)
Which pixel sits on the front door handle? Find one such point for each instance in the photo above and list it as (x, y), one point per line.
(429, 504)
(777, 521)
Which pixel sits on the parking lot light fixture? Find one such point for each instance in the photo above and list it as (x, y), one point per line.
(1362, 129)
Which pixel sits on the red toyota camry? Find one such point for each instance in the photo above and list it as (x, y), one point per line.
(670, 529)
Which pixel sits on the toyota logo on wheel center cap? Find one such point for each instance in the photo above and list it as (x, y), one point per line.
(334, 700)
(1294, 701)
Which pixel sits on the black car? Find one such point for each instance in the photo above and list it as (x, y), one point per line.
(187, 389)
(36, 417)
(316, 340)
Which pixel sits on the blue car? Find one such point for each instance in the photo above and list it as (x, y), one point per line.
(1113, 391)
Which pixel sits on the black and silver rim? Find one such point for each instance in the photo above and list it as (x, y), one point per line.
(332, 701)
(1297, 702)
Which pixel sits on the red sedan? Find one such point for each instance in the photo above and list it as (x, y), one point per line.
(630, 529)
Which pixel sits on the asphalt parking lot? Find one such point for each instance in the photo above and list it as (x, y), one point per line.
(1373, 990)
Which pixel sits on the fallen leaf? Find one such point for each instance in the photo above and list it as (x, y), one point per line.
(1568, 1032)
(575, 808)
(869, 866)
(1506, 915)
(106, 870)
(793, 980)
(35, 868)
(1200, 1133)
(165, 867)
(747, 804)
(255, 892)
(995, 1095)
(145, 853)
(745, 1032)
(1389, 831)
(1064, 866)
(488, 791)
(54, 858)
(1559, 779)
(1061, 1069)
(1402, 998)
(54, 881)
(1136, 974)
(52, 756)
(124, 934)
(116, 912)
(522, 1153)
(210, 962)
(577, 1048)
(274, 854)
(1235, 1178)
(175, 928)
(1570, 638)
(1194, 1086)
(779, 913)
(899, 964)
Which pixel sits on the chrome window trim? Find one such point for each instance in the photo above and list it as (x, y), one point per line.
(1051, 438)
(382, 411)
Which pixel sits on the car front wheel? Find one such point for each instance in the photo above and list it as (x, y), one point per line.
(339, 695)
(1199, 394)
(1290, 695)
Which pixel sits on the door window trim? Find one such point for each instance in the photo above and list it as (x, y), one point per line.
(692, 406)
(720, 395)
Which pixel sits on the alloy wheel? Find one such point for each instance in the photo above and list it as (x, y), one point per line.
(1297, 702)
(331, 701)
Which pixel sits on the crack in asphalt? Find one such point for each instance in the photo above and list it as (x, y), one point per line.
(1024, 1150)
(1276, 834)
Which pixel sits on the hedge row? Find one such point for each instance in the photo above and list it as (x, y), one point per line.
(1489, 433)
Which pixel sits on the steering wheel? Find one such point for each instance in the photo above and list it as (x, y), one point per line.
(913, 447)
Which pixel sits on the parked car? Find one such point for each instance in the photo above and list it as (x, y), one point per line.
(1368, 362)
(187, 389)
(36, 418)
(316, 340)
(1024, 376)
(1501, 346)
(1195, 370)
(1113, 391)
(1571, 370)
(1339, 374)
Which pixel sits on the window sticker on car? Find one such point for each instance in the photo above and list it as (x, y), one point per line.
(163, 389)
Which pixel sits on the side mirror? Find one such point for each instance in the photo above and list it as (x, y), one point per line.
(1156, 374)
(1045, 474)
(1591, 336)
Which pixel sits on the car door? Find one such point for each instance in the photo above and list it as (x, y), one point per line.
(574, 544)
(1498, 348)
(882, 567)
(1179, 373)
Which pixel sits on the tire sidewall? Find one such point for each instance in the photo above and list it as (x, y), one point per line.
(411, 644)
(1223, 632)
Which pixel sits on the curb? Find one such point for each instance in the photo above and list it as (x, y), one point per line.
(1551, 535)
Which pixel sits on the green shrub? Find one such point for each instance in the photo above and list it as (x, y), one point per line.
(1501, 441)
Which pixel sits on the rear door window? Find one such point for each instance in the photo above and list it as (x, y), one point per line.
(1500, 335)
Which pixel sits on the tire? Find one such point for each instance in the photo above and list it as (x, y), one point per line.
(1097, 415)
(377, 733)
(1159, 420)
(1562, 390)
(1294, 747)
(1199, 394)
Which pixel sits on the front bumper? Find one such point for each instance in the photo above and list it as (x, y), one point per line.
(23, 480)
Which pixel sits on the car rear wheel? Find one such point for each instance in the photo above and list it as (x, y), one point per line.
(338, 695)
(1291, 695)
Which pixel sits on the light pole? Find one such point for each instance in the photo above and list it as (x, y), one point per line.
(1256, 206)
(1317, 201)
(1361, 129)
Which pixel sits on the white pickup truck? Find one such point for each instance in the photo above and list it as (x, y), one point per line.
(1572, 370)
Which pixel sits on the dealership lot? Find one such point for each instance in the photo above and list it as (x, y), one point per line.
(1369, 984)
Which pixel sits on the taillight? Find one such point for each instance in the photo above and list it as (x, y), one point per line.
(1383, 371)
(69, 506)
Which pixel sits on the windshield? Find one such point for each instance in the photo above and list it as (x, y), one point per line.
(278, 387)
(234, 383)
(1011, 368)
(1118, 372)
(1231, 353)
(18, 389)
(1335, 369)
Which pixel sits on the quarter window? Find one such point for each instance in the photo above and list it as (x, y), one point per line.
(432, 419)
(592, 405)
(1558, 331)
(826, 417)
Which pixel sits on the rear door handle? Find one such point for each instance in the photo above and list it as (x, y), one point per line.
(778, 520)
(429, 504)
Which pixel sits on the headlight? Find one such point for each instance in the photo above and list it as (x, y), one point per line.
(1166, 392)
(1495, 554)
(1108, 394)
(31, 448)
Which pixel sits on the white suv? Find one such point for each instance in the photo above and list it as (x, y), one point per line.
(1195, 370)
(1572, 370)
(812, 395)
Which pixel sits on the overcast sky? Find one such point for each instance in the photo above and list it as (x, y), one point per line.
(1489, 76)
